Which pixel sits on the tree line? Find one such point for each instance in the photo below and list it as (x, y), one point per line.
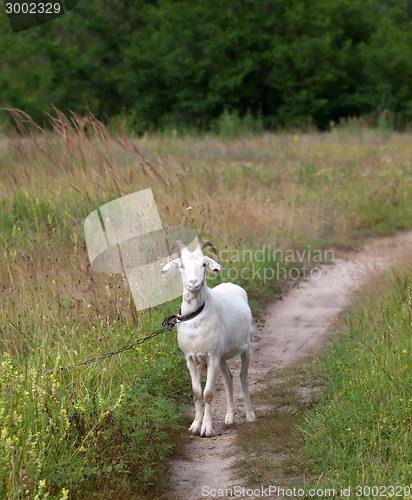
(184, 63)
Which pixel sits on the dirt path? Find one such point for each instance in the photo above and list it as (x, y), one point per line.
(293, 329)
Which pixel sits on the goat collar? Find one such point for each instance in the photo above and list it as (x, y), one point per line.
(191, 315)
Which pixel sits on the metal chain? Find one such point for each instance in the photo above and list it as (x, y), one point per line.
(167, 325)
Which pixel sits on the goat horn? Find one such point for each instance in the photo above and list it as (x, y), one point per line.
(207, 243)
(177, 245)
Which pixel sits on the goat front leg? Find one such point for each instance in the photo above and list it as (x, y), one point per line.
(212, 374)
(197, 396)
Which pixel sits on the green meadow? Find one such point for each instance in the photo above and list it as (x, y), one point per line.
(106, 430)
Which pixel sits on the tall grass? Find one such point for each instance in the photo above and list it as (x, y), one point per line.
(107, 429)
(360, 435)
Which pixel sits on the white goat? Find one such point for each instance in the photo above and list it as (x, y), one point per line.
(214, 325)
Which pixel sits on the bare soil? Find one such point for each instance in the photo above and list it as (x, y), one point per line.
(292, 329)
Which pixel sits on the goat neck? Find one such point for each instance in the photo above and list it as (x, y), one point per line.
(193, 299)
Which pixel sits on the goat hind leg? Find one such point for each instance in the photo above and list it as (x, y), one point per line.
(244, 379)
(228, 380)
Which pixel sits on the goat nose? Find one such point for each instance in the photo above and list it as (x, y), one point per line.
(193, 282)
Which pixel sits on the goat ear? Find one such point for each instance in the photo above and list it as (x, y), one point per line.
(212, 264)
(170, 265)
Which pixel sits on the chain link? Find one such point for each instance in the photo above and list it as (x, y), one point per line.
(167, 325)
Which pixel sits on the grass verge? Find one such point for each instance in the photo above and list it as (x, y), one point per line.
(360, 435)
(351, 430)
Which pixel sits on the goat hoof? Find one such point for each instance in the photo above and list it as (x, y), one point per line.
(195, 427)
(207, 431)
(251, 417)
(230, 419)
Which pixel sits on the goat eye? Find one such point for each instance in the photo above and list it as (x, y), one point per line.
(204, 264)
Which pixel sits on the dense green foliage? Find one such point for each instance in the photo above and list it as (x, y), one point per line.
(184, 64)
